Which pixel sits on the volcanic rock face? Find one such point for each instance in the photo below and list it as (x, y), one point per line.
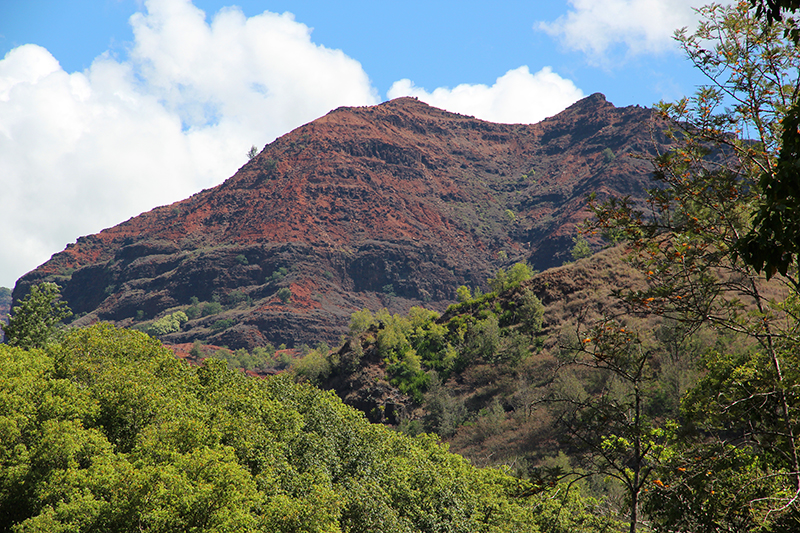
(386, 206)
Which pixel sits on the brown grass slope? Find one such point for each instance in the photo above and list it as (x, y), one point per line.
(499, 418)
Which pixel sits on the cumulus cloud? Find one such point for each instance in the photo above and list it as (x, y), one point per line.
(516, 97)
(86, 150)
(639, 26)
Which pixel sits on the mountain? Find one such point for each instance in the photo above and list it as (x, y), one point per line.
(5, 306)
(386, 206)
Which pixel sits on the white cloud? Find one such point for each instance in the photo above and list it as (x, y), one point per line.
(84, 151)
(640, 26)
(516, 97)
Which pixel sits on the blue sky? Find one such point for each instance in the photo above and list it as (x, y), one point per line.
(109, 108)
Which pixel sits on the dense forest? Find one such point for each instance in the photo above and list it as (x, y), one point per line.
(669, 403)
(105, 430)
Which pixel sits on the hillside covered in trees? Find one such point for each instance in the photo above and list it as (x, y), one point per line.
(106, 430)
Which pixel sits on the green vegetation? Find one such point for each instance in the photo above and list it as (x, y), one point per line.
(733, 464)
(284, 294)
(279, 274)
(108, 431)
(678, 405)
(222, 324)
(34, 322)
(236, 297)
(506, 280)
(170, 323)
(314, 366)
(388, 290)
(581, 248)
(260, 358)
(671, 405)
(463, 294)
(194, 310)
(423, 347)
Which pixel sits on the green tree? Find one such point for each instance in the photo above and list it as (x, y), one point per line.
(361, 321)
(611, 424)
(108, 431)
(284, 294)
(34, 322)
(463, 294)
(170, 323)
(580, 248)
(773, 243)
(505, 280)
(726, 138)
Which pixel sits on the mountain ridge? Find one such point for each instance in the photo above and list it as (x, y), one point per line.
(391, 205)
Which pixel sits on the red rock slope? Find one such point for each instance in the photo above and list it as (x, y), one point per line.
(392, 205)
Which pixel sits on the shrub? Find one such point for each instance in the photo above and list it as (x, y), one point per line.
(193, 311)
(531, 312)
(505, 280)
(360, 321)
(581, 248)
(314, 366)
(285, 360)
(236, 297)
(483, 339)
(196, 350)
(280, 274)
(168, 324)
(285, 294)
(264, 352)
(212, 308)
(222, 324)
(463, 294)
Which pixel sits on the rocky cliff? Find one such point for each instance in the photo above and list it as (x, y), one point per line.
(386, 206)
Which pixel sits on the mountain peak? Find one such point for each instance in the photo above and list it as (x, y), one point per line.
(391, 206)
(590, 105)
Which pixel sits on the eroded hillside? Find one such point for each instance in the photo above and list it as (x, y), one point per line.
(387, 206)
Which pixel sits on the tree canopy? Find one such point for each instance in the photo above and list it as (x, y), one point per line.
(726, 192)
(108, 431)
(34, 322)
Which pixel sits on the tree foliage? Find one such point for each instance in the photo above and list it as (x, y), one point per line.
(108, 431)
(735, 466)
(613, 428)
(170, 323)
(773, 243)
(34, 322)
